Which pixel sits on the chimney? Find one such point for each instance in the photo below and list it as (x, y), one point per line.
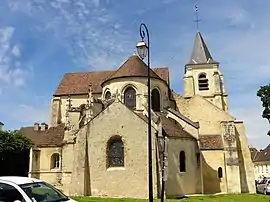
(36, 126)
(43, 127)
(1, 125)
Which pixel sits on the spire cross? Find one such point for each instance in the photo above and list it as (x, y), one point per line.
(197, 20)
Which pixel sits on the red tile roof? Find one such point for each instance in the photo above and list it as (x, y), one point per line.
(173, 129)
(260, 156)
(50, 137)
(78, 83)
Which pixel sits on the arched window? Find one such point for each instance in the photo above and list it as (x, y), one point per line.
(115, 152)
(130, 97)
(220, 174)
(55, 161)
(182, 161)
(203, 82)
(155, 100)
(107, 96)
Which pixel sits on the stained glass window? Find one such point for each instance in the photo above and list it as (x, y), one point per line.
(155, 100)
(115, 153)
(130, 97)
(182, 161)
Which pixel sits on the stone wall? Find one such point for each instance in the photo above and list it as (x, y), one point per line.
(41, 161)
(130, 180)
(211, 161)
(181, 183)
(246, 166)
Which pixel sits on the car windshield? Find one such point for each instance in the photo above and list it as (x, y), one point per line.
(43, 192)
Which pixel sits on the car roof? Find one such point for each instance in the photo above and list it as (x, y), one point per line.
(19, 180)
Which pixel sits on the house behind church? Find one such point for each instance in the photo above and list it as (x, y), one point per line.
(96, 141)
(261, 161)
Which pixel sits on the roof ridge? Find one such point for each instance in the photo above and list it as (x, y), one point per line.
(85, 72)
(138, 65)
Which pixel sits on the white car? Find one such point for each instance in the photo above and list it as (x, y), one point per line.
(25, 189)
(264, 186)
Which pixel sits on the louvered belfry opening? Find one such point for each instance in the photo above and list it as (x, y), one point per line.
(203, 82)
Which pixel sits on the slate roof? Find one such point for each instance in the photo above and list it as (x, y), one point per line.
(200, 53)
(77, 83)
(50, 137)
(260, 156)
(211, 142)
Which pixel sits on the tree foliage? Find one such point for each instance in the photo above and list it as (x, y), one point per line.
(264, 94)
(13, 142)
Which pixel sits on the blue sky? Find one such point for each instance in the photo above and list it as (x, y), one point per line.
(40, 40)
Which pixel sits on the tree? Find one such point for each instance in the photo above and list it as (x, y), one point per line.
(13, 141)
(14, 153)
(264, 94)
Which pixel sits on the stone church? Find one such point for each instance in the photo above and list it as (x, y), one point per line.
(96, 140)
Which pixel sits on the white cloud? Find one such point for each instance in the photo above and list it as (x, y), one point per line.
(86, 28)
(16, 51)
(11, 74)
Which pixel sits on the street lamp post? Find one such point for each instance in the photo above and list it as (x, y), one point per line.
(143, 50)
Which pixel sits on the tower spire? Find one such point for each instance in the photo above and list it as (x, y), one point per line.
(200, 53)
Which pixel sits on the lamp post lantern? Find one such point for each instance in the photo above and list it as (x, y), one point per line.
(143, 50)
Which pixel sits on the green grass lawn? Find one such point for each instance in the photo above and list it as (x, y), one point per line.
(210, 198)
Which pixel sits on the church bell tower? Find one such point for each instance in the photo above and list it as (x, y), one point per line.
(203, 77)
